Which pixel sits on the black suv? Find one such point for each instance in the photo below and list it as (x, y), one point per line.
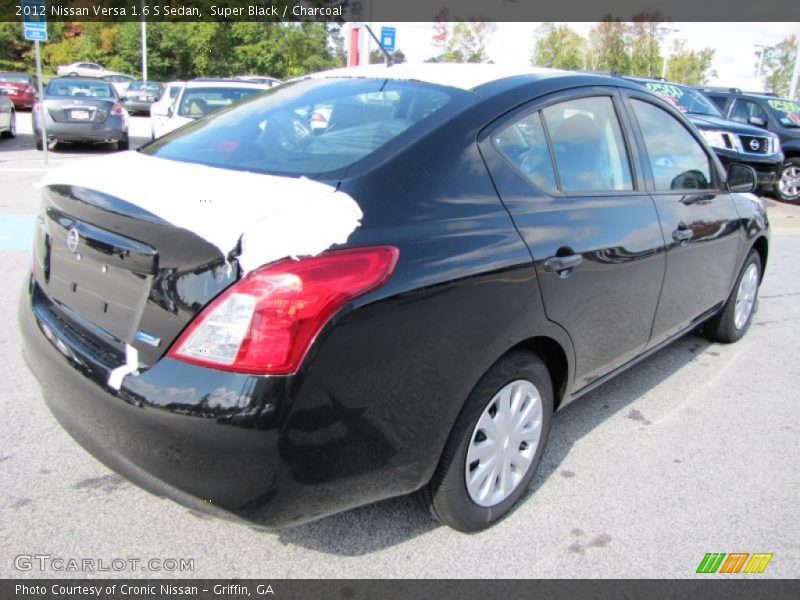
(733, 142)
(778, 115)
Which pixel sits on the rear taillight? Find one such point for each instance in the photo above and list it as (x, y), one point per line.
(37, 108)
(30, 90)
(117, 109)
(265, 323)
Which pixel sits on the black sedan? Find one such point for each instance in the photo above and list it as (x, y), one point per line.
(279, 322)
(80, 109)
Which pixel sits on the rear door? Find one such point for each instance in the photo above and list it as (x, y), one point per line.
(567, 171)
(698, 217)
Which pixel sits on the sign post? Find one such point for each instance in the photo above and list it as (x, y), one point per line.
(34, 24)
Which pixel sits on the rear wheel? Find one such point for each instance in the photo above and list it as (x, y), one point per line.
(732, 323)
(495, 446)
(788, 186)
(12, 126)
(124, 143)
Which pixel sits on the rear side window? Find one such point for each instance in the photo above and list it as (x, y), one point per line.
(306, 127)
(677, 159)
(588, 145)
(524, 143)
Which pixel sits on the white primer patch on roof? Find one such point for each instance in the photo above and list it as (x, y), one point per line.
(275, 216)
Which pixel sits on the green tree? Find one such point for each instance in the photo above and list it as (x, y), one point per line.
(467, 42)
(559, 47)
(690, 67)
(609, 47)
(645, 50)
(778, 66)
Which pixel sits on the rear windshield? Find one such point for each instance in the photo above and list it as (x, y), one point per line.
(684, 99)
(786, 111)
(79, 89)
(198, 102)
(150, 86)
(11, 78)
(310, 127)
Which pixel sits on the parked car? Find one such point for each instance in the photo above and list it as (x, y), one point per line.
(82, 69)
(781, 116)
(159, 109)
(119, 81)
(200, 97)
(734, 143)
(263, 321)
(80, 109)
(8, 116)
(141, 95)
(20, 88)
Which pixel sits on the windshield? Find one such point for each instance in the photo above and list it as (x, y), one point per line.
(149, 86)
(11, 78)
(786, 111)
(309, 127)
(73, 88)
(198, 102)
(684, 99)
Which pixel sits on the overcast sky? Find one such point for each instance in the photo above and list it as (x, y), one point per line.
(512, 44)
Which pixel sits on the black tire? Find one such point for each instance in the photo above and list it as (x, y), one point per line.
(124, 143)
(73, 74)
(722, 328)
(790, 165)
(12, 131)
(446, 496)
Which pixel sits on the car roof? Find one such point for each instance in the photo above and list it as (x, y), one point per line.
(458, 75)
(222, 83)
(74, 79)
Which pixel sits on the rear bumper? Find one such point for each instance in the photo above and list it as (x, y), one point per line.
(22, 100)
(114, 129)
(273, 451)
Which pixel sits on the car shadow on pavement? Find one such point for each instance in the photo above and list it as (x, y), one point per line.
(383, 524)
(23, 141)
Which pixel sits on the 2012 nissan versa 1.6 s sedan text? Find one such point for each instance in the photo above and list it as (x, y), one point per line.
(261, 318)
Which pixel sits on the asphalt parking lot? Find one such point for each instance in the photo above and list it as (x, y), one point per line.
(695, 450)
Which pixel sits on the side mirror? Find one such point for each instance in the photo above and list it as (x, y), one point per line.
(757, 121)
(170, 111)
(742, 178)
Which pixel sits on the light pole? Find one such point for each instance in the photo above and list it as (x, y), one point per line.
(666, 31)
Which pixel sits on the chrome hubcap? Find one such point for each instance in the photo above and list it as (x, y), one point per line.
(504, 443)
(789, 183)
(746, 296)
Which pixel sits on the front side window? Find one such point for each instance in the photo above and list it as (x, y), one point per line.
(524, 143)
(588, 145)
(743, 110)
(677, 159)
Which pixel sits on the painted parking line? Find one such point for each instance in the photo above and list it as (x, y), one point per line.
(16, 232)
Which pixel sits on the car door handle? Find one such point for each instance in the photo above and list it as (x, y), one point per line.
(682, 234)
(559, 264)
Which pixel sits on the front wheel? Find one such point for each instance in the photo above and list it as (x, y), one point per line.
(732, 323)
(495, 445)
(788, 186)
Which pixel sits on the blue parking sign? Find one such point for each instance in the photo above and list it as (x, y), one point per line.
(387, 38)
(36, 34)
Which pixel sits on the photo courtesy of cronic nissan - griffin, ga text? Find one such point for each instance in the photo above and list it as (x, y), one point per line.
(275, 322)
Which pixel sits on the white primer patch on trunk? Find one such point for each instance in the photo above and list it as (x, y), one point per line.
(275, 216)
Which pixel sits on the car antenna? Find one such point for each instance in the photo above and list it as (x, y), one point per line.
(386, 56)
